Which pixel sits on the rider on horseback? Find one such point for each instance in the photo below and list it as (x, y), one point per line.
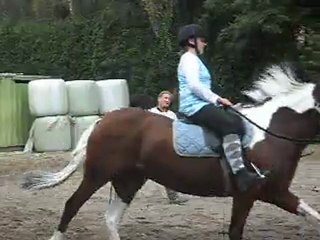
(201, 105)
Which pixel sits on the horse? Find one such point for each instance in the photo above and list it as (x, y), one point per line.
(129, 146)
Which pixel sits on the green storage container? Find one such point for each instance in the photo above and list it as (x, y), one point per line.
(15, 118)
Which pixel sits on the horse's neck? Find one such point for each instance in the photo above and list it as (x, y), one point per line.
(297, 103)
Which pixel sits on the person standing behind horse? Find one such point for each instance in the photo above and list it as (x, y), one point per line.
(203, 107)
(162, 108)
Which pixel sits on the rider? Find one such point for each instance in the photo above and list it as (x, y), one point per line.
(203, 107)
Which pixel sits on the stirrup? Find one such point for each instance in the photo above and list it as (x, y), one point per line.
(260, 174)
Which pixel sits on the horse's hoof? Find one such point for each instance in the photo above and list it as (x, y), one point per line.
(57, 236)
(178, 201)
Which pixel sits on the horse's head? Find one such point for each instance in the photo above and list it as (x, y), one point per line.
(316, 96)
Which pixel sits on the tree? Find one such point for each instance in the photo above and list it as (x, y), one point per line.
(247, 35)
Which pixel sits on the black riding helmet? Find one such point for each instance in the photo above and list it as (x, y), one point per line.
(190, 31)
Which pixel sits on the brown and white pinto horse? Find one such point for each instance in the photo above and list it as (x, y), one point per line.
(129, 146)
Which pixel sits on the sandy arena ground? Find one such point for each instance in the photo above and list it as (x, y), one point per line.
(34, 215)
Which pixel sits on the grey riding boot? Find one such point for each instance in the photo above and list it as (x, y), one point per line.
(233, 153)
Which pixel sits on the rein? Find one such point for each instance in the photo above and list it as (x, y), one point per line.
(305, 141)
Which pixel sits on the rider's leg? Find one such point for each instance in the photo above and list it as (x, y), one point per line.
(230, 128)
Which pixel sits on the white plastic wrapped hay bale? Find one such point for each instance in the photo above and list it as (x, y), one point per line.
(48, 97)
(114, 94)
(83, 97)
(79, 125)
(52, 134)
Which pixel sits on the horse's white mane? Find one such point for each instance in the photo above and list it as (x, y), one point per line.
(276, 80)
(282, 85)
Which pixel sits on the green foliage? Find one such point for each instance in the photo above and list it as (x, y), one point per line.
(310, 47)
(247, 35)
(120, 39)
(99, 48)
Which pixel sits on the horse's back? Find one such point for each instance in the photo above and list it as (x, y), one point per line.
(119, 129)
(124, 116)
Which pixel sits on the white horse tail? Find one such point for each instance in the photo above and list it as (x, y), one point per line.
(40, 179)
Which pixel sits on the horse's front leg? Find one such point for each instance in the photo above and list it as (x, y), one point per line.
(240, 211)
(286, 201)
(293, 204)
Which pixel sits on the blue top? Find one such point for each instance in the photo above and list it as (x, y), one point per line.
(194, 85)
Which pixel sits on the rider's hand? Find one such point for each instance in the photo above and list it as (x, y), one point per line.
(225, 102)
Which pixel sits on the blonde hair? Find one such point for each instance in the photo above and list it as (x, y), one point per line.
(164, 92)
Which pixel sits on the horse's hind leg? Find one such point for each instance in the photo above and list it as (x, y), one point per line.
(126, 187)
(87, 187)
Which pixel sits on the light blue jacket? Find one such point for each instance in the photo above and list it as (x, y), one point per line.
(189, 102)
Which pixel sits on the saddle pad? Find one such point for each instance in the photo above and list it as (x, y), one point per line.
(190, 140)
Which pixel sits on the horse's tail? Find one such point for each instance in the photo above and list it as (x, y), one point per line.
(40, 179)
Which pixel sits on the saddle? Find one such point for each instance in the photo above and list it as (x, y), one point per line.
(191, 140)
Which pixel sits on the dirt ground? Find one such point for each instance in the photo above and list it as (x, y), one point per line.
(34, 215)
